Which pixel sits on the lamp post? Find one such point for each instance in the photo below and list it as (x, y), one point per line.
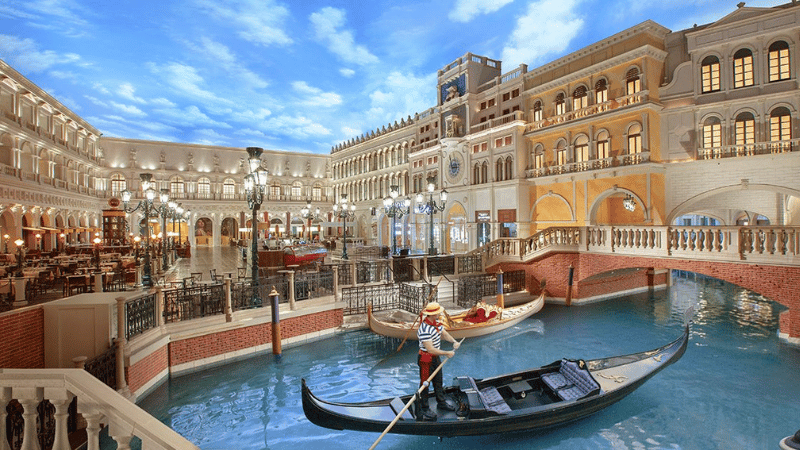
(38, 241)
(430, 208)
(255, 185)
(395, 210)
(97, 242)
(149, 209)
(20, 255)
(344, 211)
(6, 237)
(307, 214)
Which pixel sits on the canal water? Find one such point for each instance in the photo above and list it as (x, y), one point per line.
(736, 387)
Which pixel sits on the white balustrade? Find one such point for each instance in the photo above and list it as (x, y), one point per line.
(97, 403)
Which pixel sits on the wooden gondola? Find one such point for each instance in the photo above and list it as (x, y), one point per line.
(552, 395)
(459, 325)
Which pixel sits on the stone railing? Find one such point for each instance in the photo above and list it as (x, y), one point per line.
(764, 245)
(97, 403)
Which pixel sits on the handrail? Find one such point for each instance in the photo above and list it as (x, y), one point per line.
(97, 402)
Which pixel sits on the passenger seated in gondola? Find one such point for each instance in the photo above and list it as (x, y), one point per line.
(482, 312)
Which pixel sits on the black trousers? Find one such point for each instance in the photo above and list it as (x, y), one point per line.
(425, 370)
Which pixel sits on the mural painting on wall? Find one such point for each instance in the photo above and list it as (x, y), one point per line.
(228, 225)
(203, 227)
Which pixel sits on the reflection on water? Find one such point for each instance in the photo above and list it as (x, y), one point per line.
(736, 386)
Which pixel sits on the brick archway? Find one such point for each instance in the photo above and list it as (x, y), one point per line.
(780, 284)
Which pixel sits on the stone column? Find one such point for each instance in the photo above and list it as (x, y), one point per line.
(228, 301)
(121, 341)
(60, 399)
(29, 398)
(335, 283)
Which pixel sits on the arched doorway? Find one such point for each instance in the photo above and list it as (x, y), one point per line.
(457, 240)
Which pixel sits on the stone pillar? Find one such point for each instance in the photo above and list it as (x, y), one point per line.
(228, 301)
(120, 341)
(92, 428)
(121, 434)
(19, 292)
(335, 283)
(292, 294)
(5, 397)
(98, 282)
(160, 306)
(60, 399)
(29, 398)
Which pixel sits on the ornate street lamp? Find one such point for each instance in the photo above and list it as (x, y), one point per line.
(147, 207)
(344, 211)
(255, 185)
(307, 214)
(20, 251)
(430, 208)
(396, 210)
(164, 210)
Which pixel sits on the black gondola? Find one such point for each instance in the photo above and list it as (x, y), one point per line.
(552, 395)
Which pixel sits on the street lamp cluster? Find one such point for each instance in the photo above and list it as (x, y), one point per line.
(309, 215)
(344, 211)
(166, 209)
(255, 185)
(396, 210)
(430, 208)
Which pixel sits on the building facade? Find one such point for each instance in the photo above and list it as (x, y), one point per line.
(646, 126)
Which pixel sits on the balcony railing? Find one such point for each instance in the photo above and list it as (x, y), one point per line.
(743, 150)
(583, 166)
(621, 102)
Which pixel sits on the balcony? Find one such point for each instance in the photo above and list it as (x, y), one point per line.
(738, 151)
(585, 166)
(589, 111)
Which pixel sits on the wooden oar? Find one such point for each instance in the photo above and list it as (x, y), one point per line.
(413, 397)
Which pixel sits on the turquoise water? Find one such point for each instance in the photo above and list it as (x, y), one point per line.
(737, 386)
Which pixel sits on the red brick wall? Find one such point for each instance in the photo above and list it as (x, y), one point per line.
(781, 284)
(145, 370)
(22, 337)
(209, 345)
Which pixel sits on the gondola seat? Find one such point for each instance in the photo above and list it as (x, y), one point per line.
(486, 399)
(572, 381)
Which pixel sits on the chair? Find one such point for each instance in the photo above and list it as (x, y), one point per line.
(213, 273)
(196, 277)
(76, 284)
(241, 272)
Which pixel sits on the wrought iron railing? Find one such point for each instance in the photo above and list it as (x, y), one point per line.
(193, 302)
(385, 297)
(104, 367)
(140, 315)
(441, 265)
(472, 288)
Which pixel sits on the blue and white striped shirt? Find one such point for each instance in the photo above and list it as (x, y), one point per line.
(428, 332)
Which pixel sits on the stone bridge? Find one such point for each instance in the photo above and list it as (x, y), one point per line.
(762, 259)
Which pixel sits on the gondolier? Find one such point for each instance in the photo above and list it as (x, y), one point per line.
(430, 334)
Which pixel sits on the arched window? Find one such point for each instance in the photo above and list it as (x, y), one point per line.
(228, 189)
(779, 61)
(712, 136)
(709, 74)
(177, 188)
(509, 168)
(634, 139)
(561, 106)
(601, 91)
(485, 172)
(744, 133)
(537, 111)
(579, 98)
(633, 83)
(582, 149)
(561, 153)
(538, 157)
(498, 170)
(476, 174)
(780, 130)
(297, 189)
(316, 193)
(742, 68)
(603, 145)
(118, 184)
(204, 188)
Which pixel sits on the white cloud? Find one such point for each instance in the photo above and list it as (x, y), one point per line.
(128, 109)
(186, 79)
(225, 58)
(257, 21)
(326, 24)
(347, 73)
(466, 10)
(314, 96)
(531, 41)
(127, 91)
(399, 96)
(298, 127)
(24, 55)
(188, 116)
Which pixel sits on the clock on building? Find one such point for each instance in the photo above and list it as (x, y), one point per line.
(454, 167)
